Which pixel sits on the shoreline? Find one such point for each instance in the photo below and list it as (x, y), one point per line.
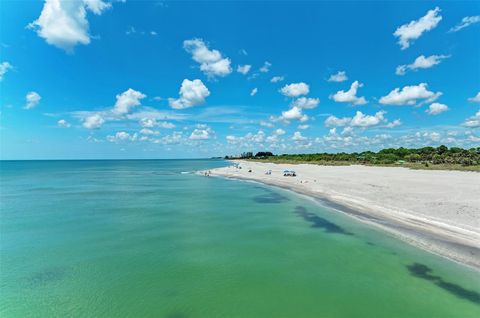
(447, 235)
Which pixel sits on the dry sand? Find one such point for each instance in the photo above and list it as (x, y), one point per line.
(436, 210)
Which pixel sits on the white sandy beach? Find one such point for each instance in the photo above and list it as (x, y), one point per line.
(435, 210)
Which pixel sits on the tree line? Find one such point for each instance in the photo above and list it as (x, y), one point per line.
(425, 155)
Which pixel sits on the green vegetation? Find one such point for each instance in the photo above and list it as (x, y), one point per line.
(441, 157)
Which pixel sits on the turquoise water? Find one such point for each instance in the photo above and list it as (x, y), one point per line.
(143, 239)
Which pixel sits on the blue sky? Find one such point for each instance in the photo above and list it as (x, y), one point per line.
(138, 79)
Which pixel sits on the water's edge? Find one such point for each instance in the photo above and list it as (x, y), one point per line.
(424, 241)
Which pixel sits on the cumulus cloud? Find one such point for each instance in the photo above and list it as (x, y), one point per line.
(295, 89)
(393, 124)
(94, 121)
(297, 136)
(4, 67)
(63, 123)
(361, 120)
(414, 29)
(199, 134)
(212, 63)
(277, 79)
(166, 125)
(126, 101)
(64, 24)
(305, 103)
(32, 100)
(254, 92)
(244, 69)
(175, 138)
(266, 67)
(350, 96)
(122, 136)
(409, 95)
(192, 93)
(436, 108)
(473, 122)
(152, 122)
(266, 124)
(475, 99)
(341, 76)
(279, 132)
(421, 62)
(148, 122)
(466, 21)
(294, 113)
(249, 138)
(147, 131)
(333, 121)
(303, 127)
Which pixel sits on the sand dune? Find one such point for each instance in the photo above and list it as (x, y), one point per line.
(435, 210)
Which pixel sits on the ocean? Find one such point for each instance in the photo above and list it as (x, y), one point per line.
(149, 238)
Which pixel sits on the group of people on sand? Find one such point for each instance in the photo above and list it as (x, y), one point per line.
(207, 173)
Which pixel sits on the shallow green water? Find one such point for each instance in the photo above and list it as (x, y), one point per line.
(141, 239)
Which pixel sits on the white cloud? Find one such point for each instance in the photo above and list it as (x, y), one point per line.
(297, 136)
(279, 132)
(393, 124)
(295, 89)
(266, 67)
(126, 101)
(266, 124)
(434, 136)
(466, 21)
(473, 122)
(294, 113)
(94, 121)
(152, 122)
(277, 79)
(174, 138)
(200, 134)
(212, 63)
(148, 122)
(254, 92)
(347, 131)
(341, 76)
(303, 127)
(414, 29)
(421, 62)
(64, 24)
(350, 95)
(436, 108)
(475, 99)
(333, 121)
(248, 138)
(166, 125)
(4, 67)
(97, 6)
(192, 93)
(146, 131)
(362, 120)
(32, 99)
(122, 136)
(409, 95)
(244, 69)
(63, 123)
(305, 103)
